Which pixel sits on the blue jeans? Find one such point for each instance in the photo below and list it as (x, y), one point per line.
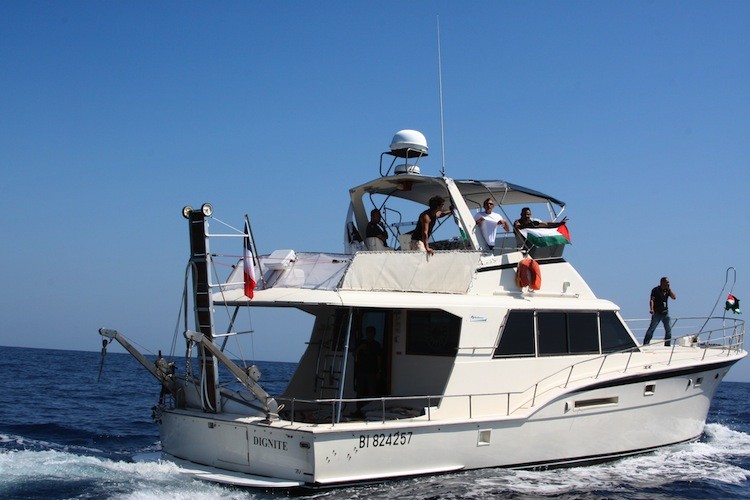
(655, 319)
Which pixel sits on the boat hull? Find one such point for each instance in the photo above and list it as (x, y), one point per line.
(583, 425)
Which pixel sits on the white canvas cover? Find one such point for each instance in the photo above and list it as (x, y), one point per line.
(443, 272)
(316, 271)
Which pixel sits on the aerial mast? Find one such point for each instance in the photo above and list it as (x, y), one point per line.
(440, 85)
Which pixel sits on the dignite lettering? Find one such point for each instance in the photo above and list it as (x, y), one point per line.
(276, 444)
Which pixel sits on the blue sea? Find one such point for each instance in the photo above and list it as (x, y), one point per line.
(65, 435)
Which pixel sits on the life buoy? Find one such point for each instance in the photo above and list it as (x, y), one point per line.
(529, 274)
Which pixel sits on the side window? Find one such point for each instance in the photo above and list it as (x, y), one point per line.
(614, 335)
(583, 333)
(561, 333)
(432, 333)
(552, 332)
(567, 333)
(517, 337)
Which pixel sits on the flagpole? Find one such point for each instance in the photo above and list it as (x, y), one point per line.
(721, 294)
(256, 258)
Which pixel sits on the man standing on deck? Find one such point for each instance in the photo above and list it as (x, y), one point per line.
(488, 222)
(660, 311)
(420, 237)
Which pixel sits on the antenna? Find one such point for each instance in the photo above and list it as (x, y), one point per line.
(440, 83)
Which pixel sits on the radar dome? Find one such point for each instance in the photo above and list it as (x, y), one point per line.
(409, 140)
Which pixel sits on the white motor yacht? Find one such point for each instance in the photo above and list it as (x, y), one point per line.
(481, 354)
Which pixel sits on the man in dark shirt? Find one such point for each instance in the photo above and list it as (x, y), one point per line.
(375, 227)
(660, 311)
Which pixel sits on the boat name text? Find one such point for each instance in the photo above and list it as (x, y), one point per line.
(389, 439)
(276, 444)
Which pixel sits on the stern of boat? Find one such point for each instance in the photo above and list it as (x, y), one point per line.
(243, 445)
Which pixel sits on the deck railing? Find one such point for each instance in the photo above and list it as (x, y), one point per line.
(715, 341)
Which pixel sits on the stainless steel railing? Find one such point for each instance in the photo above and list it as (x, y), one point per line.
(716, 338)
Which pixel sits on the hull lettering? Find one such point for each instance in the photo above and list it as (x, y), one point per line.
(275, 444)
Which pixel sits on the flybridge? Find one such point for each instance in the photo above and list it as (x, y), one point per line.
(402, 191)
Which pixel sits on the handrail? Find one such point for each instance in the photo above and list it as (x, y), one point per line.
(695, 346)
(322, 403)
(730, 343)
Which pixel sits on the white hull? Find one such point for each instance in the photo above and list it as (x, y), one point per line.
(555, 433)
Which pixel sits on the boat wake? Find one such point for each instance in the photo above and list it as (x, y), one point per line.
(64, 474)
(54, 437)
(718, 463)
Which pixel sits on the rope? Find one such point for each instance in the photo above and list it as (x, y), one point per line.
(238, 231)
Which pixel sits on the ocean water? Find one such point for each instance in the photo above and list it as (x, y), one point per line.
(63, 435)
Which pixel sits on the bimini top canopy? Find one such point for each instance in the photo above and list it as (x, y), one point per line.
(504, 193)
(420, 189)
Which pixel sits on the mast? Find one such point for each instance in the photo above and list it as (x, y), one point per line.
(203, 303)
(440, 85)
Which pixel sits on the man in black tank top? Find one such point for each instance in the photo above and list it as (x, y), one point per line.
(420, 237)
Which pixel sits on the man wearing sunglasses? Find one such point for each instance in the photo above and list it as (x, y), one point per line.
(488, 221)
(659, 310)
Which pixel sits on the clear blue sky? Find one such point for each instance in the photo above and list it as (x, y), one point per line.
(116, 114)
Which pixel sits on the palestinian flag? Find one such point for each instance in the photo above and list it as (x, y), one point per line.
(733, 303)
(547, 236)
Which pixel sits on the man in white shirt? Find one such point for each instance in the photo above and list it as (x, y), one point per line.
(488, 221)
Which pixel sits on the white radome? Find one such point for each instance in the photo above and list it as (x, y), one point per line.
(412, 139)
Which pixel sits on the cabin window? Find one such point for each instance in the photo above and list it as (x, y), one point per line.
(552, 334)
(583, 333)
(615, 336)
(567, 333)
(562, 333)
(517, 338)
(432, 333)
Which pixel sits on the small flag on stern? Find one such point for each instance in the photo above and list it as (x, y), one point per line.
(547, 237)
(733, 303)
(248, 265)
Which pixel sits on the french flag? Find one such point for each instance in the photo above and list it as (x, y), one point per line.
(248, 265)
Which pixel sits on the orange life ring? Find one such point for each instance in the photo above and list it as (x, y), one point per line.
(529, 274)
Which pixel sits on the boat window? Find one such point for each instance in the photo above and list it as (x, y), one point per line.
(552, 334)
(517, 338)
(615, 336)
(432, 333)
(562, 333)
(567, 333)
(583, 333)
